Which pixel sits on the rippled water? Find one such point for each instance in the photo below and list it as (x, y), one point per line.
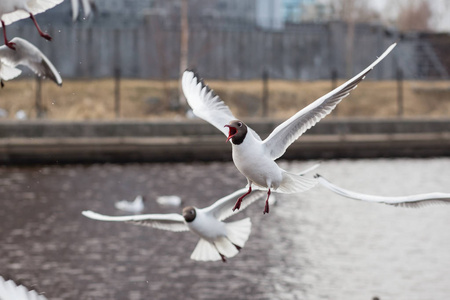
(314, 245)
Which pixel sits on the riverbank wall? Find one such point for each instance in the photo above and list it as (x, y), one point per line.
(50, 142)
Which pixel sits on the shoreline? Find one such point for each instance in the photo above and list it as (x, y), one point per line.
(50, 142)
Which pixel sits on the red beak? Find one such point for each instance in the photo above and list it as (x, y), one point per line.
(232, 131)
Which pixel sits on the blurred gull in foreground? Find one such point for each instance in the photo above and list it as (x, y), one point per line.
(136, 206)
(26, 54)
(14, 10)
(418, 200)
(9, 290)
(253, 157)
(218, 240)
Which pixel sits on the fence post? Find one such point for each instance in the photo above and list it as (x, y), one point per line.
(265, 92)
(399, 92)
(39, 109)
(117, 92)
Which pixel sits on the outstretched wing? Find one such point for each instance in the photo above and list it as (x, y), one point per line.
(204, 102)
(290, 130)
(28, 55)
(35, 6)
(170, 222)
(418, 200)
(223, 208)
(9, 290)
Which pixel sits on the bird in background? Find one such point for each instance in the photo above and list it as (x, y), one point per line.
(417, 200)
(87, 5)
(9, 290)
(14, 10)
(253, 157)
(136, 206)
(28, 55)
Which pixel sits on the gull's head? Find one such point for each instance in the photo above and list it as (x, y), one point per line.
(189, 213)
(237, 131)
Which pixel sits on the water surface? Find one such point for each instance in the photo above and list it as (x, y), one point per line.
(314, 245)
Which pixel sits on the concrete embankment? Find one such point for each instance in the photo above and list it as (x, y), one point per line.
(171, 141)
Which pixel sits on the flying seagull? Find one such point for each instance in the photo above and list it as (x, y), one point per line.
(218, 240)
(9, 290)
(28, 55)
(86, 8)
(14, 10)
(135, 206)
(417, 200)
(255, 158)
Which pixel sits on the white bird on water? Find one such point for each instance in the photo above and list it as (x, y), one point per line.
(28, 55)
(417, 200)
(9, 290)
(255, 158)
(14, 10)
(136, 206)
(218, 240)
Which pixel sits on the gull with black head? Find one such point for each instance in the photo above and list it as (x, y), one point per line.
(218, 240)
(253, 157)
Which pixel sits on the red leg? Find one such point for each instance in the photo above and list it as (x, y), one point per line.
(266, 207)
(44, 35)
(239, 201)
(9, 44)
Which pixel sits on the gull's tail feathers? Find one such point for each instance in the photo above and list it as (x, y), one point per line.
(205, 251)
(293, 183)
(239, 231)
(226, 247)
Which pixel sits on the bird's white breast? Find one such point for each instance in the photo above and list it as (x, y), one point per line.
(206, 226)
(253, 162)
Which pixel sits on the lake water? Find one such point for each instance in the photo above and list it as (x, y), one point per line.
(314, 245)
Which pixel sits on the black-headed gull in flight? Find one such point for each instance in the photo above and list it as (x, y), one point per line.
(9, 290)
(136, 206)
(417, 200)
(28, 55)
(218, 240)
(14, 10)
(76, 8)
(253, 157)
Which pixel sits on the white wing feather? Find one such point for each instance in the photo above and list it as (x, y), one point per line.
(9, 290)
(170, 222)
(28, 55)
(205, 103)
(35, 7)
(223, 208)
(417, 200)
(290, 130)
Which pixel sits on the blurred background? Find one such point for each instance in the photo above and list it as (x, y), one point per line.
(119, 127)
(275, 56)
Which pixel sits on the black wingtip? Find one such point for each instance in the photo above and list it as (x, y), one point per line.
(317, 176)
(200, 79)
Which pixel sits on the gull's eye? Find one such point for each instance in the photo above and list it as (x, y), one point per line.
(239, 124)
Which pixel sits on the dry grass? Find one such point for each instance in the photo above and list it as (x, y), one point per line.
(143, 99)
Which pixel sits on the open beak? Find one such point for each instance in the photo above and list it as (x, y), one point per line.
(232, 131)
